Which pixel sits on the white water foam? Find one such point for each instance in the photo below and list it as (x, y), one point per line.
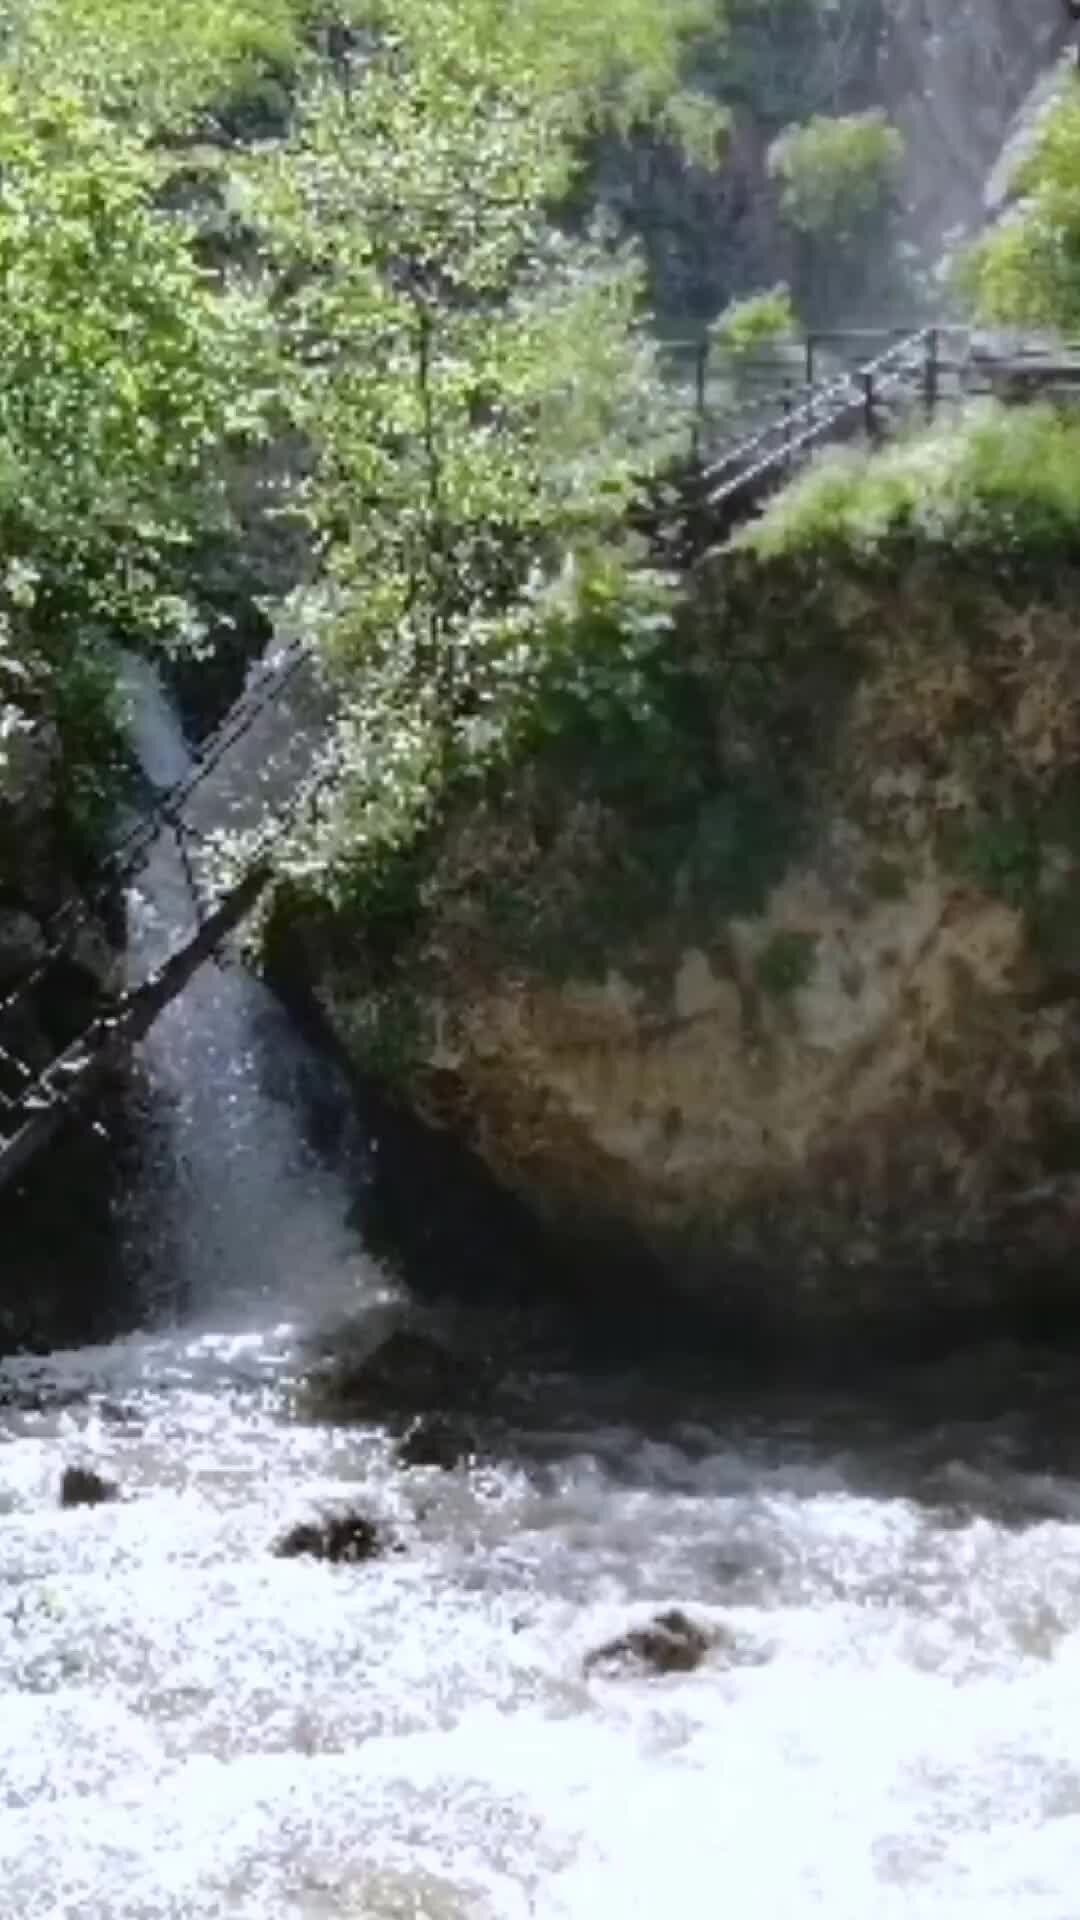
(191, 1727)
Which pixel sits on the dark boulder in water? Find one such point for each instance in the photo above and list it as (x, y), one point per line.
(342, 1538)
(409, 1369)
(82, 1487)
(670, 1643)
(410, 1374)
(434, 1441)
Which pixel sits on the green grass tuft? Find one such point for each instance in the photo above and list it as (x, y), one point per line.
(1007, 479)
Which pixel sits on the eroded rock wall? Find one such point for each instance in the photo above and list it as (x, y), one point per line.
(794, 1021)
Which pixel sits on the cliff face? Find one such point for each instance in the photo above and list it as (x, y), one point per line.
(37, 881)
(953, 75)
(57, 1255)
(792, 1014)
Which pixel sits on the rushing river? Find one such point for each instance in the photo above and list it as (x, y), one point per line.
(192, 1726)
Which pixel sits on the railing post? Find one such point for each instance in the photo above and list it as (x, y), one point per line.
(809, 359)
(701, 371)
(787, 429)
(870, 420)
(932, 371)
(180, 835)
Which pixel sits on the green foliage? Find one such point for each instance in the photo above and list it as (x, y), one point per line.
(885, 879)
(123, 371)
(614, 62)
(696, 125)
(1006, 481)
(786, 963)
(1026, 271)
(473, 388)
(761, 320)
(604, 681)
(582, 668)
(786, 60)
(478, 391)
(772, 65)
(95, 767)
(837, 172)
(122, 367)
(1001, 854)
(125, 58)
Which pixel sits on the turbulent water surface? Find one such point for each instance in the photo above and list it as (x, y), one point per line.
(190, 1725)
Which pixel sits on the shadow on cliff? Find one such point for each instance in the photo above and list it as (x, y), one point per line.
(427, 1209)
(62, 1277)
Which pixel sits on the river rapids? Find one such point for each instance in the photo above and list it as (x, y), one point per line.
(193, 1726)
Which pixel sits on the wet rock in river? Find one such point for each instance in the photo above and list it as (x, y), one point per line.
(342, 1538)
(82, 1487)
(433, 1441)
(409, 1374)
(408, 1368)
(118, 1414)
(669, 1643)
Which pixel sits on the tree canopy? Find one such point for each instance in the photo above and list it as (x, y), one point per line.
(246, 221)
(836, 172)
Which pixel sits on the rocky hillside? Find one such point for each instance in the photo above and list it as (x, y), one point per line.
(953, 76)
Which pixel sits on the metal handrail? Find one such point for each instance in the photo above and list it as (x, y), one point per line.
(826, 408)
(774, 370)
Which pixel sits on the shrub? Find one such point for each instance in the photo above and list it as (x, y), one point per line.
(836, 172)
(1005, 479)
(1026, 271)
(747, 326)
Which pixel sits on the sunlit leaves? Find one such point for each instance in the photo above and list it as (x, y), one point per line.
(471, 388)
(476, 384)
(836, 171)
(612, 60)
(130, 57)
(747, 327)
(1027, 270)
(121, 365)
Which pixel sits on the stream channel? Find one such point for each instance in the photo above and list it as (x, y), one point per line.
(192, 1726)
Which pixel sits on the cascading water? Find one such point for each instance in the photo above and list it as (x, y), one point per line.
(191, 1726)
(242, 1214)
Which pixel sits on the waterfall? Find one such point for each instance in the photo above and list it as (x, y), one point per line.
(235, 1214)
